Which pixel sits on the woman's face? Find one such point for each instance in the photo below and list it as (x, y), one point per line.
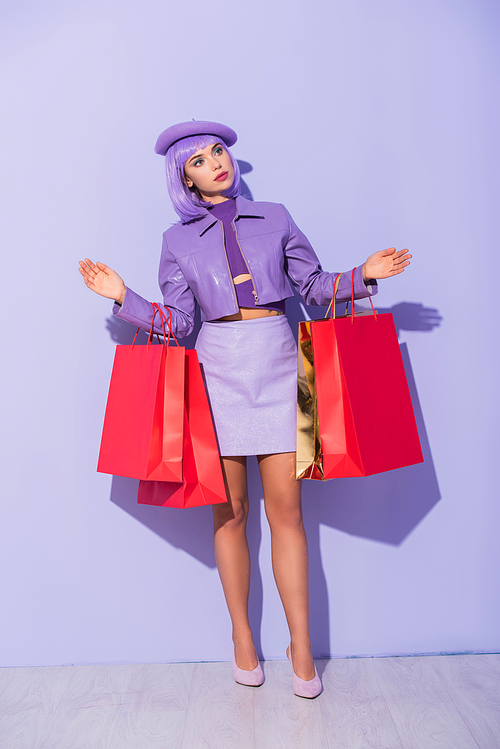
(210, 170)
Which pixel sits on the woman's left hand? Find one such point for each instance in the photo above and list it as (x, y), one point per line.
(386, 263)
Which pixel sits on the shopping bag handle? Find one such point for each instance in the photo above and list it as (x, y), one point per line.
(331, 307)
(352, 299)
(163, 318)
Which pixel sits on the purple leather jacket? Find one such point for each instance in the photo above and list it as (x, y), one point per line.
(194, 268)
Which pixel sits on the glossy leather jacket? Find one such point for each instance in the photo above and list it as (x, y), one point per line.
(194, 268)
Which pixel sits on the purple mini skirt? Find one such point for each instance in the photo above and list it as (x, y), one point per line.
(250, 370)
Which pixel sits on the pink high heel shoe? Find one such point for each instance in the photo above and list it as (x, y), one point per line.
(253, 678)
(302, 688)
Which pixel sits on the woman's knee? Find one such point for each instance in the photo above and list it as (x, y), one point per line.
(231, 515)
(284, 513)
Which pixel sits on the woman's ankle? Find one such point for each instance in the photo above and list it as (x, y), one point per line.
(242, 636)
(301, 658)
(244, 649)
(301, 644)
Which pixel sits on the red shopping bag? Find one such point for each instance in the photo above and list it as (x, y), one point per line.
(355, 415)
(142, 436)
(203, 481)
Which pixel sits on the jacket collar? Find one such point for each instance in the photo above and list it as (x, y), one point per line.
(244, 209)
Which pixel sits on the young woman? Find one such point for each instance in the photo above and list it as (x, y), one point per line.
(237, 260)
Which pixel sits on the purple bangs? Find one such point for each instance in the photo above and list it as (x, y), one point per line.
(186, 201)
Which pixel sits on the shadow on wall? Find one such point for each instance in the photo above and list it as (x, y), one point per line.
(385, 507)
(245, 168)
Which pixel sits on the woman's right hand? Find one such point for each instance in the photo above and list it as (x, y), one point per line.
(103, 280)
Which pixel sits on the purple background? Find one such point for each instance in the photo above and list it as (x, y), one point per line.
(380, 118)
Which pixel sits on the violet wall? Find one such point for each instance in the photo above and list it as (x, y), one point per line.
(377, 118)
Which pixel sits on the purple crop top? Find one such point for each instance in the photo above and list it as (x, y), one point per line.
(225, 213)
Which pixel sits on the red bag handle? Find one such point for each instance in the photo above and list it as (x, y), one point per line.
(352, 299)
(157, 308)
(169, 322)
(331, 307)
(163, 318)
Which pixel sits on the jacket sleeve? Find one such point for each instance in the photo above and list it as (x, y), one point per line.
(315, 285)
(177, 298)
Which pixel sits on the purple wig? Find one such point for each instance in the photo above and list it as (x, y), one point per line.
(186, 200)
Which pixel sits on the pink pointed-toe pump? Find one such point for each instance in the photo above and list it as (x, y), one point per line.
(253, 678)
(302, 688)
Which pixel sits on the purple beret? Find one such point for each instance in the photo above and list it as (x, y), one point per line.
(185, 129)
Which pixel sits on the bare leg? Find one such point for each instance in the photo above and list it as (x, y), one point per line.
(233, 558)
(289, 552)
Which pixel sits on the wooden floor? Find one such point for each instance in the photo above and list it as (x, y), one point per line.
(431, 702)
